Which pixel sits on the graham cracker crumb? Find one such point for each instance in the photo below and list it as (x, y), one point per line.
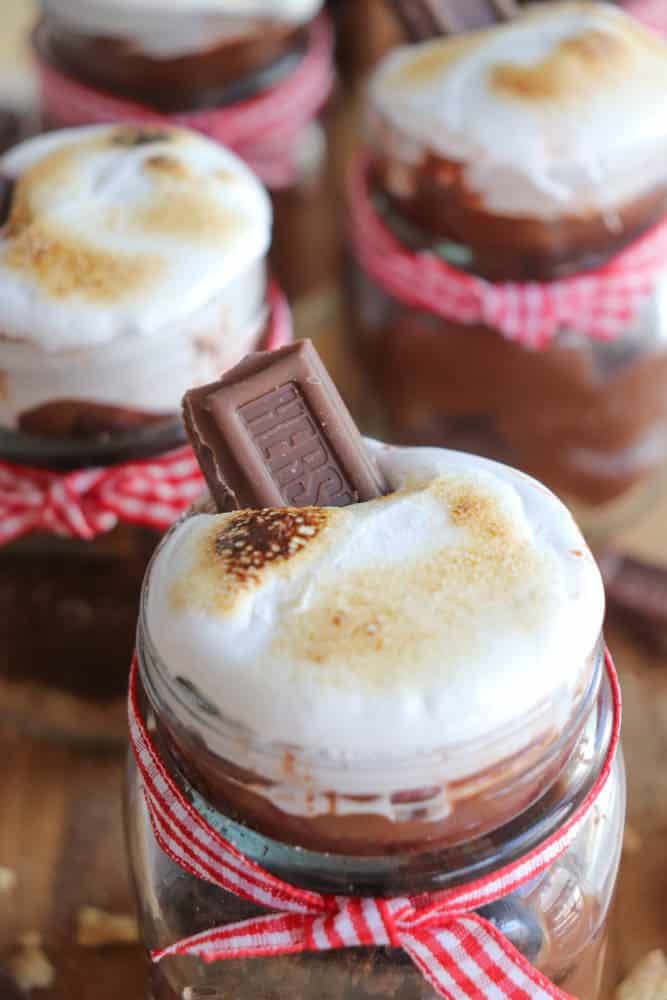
(8, 879)
(98, 929)
(648, 979)
(29, 966)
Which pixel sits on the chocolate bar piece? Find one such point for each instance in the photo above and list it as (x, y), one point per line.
(637, 597)
(425, 19)
(274, 432)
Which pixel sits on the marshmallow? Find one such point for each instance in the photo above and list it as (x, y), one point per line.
(131, 266)
(421, 636)
(561, 111)
(169, 28)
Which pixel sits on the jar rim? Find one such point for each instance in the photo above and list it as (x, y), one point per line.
(63, 454)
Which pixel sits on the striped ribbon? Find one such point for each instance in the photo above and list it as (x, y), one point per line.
(602, 303)
(89, 502)
(263, 130)
(462, 955)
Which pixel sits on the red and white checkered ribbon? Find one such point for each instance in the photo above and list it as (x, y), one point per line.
(652, 13)
(602, 303)
(86, 503)
(462, 955)
(263, 130)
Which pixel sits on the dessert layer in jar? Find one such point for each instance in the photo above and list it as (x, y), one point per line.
(173, 56)
(537, 147)
(589, 417)
(575, 86)
(68, 621)
(414, 669)
(132, 264)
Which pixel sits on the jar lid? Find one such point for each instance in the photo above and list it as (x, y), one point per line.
(420, 637)
(578, 86)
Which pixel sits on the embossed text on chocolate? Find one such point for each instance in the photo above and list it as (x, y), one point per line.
(294, 449)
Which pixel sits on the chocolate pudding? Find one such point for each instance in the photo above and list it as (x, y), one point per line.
(586, 413)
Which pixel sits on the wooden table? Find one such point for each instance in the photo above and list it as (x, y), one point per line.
(61, 823)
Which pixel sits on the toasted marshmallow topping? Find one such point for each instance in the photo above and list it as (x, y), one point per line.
(579, 88)
(132, 265)
(116, 231)
(168, 28)
(460, 610)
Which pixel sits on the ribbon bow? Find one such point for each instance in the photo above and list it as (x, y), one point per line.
(263, 130)
(602, 303)
(89, 502)
(460, 953)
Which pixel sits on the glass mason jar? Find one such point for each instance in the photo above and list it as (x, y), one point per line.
(557, 921)
(174, 62)
(585, 415)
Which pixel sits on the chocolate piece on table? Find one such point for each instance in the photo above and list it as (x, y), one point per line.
(429, 18)
(274, 432)
(637, 596)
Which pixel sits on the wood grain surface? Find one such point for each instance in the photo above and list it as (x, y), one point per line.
(61, 816)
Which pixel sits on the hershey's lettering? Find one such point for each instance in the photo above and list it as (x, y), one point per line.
(295, 451)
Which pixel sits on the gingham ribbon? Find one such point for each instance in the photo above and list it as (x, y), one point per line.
(462, 955)
(602, 303)
(652, 13)
(263, 130)
(90, 502)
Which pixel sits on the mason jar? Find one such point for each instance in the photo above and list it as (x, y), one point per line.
(212, 66)
(93, 371)
(352, 811)
(557, 921)
(504, 235)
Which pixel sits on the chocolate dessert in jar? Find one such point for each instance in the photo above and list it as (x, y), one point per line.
(132, 264)
(510, 229)
(254, 74)
(366, 731)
